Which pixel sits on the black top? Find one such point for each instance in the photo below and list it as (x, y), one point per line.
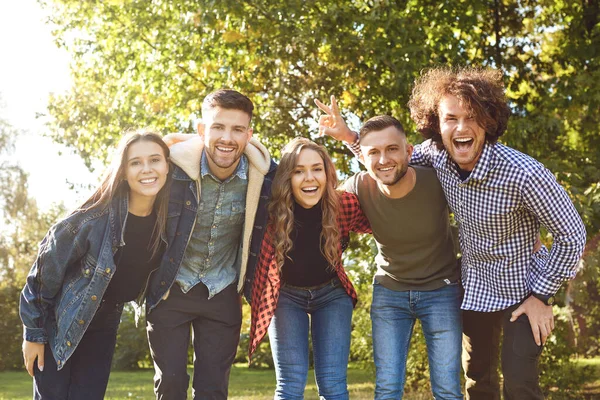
(134, 260)
(308, 266)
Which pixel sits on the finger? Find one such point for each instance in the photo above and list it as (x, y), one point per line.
(41, 360)
(29, 366)
(325, 120)
(323, 107)
(552, 323)
(334, 106)
(516, 314)
(536, 334)
(548, 330)
(544, 333)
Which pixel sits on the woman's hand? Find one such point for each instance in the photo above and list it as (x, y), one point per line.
(31, 351)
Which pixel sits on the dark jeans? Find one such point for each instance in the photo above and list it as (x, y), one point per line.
(85, 373)
(216, 325)
(520, 354)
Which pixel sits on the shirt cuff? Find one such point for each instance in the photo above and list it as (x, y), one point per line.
(354, 146)
(545, 286)
(35, 335)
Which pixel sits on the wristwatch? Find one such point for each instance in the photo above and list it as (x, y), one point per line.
(547, 300)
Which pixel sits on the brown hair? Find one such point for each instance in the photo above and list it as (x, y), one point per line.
(281, 206)
(114, 183)
(480, 90)
(379, 123)
(228, 99)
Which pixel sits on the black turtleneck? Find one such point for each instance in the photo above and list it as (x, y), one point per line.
(308, 266)
(134, 260)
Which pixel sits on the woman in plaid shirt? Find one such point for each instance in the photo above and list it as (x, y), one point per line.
(300, 273)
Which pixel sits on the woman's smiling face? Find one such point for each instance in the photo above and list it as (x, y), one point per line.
(308, 178)
(147, 169)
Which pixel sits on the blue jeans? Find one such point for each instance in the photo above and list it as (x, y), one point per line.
(330, 310)
(85, 374)
(393, 315)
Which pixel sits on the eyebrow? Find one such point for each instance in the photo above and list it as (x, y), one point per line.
(234, 126)
(151, 155)
(314, 165)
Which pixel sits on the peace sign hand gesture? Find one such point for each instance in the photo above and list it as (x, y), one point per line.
(333, 124)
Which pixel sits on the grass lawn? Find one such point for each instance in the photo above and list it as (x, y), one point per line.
(244, 384)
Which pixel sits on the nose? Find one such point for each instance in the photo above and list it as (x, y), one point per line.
(309, 176)
(146, 167)
(226, 135)
(383, 158)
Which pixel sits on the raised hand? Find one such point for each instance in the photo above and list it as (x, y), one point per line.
(333, 124)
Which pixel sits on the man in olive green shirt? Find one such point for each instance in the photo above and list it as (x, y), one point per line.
(417, 270)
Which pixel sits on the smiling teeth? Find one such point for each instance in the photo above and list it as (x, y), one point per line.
(386, 169)
(226, 150)
(463, 140)
(309, 189)
(149, 180)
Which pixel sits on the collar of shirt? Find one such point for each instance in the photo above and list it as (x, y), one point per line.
(241, 171)
(486, 163)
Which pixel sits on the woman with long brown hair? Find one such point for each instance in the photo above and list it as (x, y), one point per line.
(90, 264)
(300, 273)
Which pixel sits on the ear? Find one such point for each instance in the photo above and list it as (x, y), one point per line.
(201, 128)
(409, 150)
(250, 131)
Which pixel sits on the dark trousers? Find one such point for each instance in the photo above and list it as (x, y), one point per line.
(482, 333)
(85, 374)
(216, 325)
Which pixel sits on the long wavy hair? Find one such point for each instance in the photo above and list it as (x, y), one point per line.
(481, 90)
(281, 206)
(114, 184)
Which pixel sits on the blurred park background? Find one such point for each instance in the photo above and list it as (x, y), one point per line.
(135, 63)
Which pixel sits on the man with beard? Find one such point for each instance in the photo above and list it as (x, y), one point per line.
(417, 271)
(217, 211)
(500, 199)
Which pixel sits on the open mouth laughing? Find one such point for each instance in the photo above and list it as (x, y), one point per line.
(310, 189)
(463, 143)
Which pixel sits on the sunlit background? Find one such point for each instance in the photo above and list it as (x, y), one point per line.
(31, 68)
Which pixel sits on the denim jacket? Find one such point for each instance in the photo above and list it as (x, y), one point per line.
(183, 206)
(70, 275)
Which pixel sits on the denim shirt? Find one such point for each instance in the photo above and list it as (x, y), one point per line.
(212, 255)
(66, 283)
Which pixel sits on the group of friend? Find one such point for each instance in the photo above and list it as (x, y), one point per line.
(190, 226)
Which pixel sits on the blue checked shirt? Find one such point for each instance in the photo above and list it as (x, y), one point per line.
(499, 209)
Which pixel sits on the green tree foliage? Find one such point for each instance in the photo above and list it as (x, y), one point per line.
(141, 63)
(22, 226)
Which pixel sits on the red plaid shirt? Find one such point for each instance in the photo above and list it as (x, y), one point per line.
(267, 280)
